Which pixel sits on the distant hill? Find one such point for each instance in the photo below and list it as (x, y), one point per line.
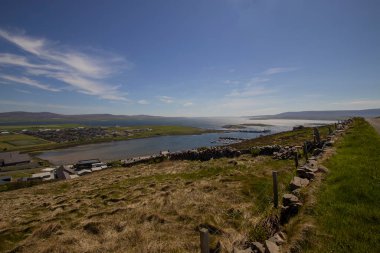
(323, 115)
(48, 116)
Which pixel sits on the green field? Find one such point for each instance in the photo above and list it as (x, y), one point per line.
(297, 137)
(12, 141)
(347, 212)
(27, 143)
(36, 127)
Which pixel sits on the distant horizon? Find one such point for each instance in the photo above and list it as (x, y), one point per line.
(189, 58)
(152, 115)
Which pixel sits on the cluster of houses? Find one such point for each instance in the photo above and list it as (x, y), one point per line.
(68, 134)
(80, 133)
(62, 172)
(130, 132)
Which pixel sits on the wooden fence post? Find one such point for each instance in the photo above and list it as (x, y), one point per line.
(296, 159)
(305, 150)
(205, 240)
(275, 189)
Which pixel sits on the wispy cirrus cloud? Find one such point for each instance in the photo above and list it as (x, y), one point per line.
(27, 81)
(359, 103)
(27, 105)
(257, 80)
(23, 91)
(232, 82)
(273, 71)
(83, 72)
(250, 92)
(166, 99)
(143, 102)
(256, 85)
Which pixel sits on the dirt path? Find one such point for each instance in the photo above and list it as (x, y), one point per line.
(375, 122)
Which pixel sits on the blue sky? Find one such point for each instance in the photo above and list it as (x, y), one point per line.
(189, 58)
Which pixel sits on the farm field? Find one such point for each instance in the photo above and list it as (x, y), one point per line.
(13, 141)
(16, 140)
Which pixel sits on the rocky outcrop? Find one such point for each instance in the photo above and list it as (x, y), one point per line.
(284, 153)
(205, 154)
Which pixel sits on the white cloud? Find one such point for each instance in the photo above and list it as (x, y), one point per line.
(85, 73)
(27, 81)
(166, 99)
(250, 92)
(360, 103)
(143, 102)
(187, 104)
(33, 106)
(273, 71)
(257, 80)
(23, 91)
(16, 60)
(30, 45)
(232, 82)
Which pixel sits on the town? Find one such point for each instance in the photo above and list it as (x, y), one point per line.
(61, 172)
(82, 133)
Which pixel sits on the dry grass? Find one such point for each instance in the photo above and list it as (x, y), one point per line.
(146, 208)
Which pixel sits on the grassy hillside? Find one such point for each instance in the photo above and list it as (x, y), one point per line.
(155, 207)
(297, 137)
(347, 212)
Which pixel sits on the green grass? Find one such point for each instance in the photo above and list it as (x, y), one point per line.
(348, 207)
(164, 130)
(297, 137)
(18, 141)
(27, 143)
(36, 127)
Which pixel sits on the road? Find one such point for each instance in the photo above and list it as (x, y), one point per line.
(375, 122)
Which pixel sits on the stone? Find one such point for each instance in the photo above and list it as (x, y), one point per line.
(323, 169)
(317, 151)
(306, 173)
(310, 175)
(271, 247)
(259, 247)
(311, 163)
(289, 211)
(298, 182)
(283, 235)
(277, 239)
(288, 199)
(297, 192)
(248, 250)
(309, 168)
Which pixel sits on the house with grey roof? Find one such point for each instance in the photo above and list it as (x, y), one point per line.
(65, 172)
(13, 158)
